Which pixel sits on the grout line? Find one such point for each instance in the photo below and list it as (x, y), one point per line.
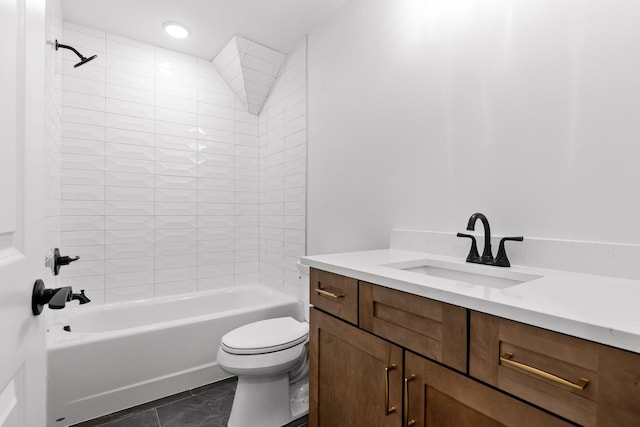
(104, 185)
(155, 167)
(155, 411)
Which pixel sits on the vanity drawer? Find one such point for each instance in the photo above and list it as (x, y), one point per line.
(536, 351)
(335, 294)
(582, 381)
(431, 328)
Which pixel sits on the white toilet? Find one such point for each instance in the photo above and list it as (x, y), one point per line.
(270, 360)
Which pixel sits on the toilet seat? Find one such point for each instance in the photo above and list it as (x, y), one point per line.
(266, 336)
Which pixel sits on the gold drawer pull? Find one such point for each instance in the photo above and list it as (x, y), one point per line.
(580, 385)
(328, 294)
(407, 420)
(388, 410)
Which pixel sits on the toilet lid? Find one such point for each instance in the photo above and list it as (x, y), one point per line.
(265, 336)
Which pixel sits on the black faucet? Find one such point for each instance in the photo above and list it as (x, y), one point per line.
(501, 259)
(56, 299)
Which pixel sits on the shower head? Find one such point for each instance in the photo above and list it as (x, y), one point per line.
(83, 59)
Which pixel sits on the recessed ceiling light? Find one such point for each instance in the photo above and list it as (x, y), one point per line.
(176, 29)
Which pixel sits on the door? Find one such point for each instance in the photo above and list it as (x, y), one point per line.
(22, 340)
(355, 378)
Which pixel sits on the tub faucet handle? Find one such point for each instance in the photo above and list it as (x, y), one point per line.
(81, 297)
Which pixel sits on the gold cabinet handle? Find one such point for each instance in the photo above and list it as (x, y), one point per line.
(407, 420)
(388, 410)
(507, 358)
(328, 294)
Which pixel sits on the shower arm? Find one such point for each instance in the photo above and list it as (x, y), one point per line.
(83, 59)
(64, 46)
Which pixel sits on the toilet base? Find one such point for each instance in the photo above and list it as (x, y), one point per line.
(268, 402)
(299, 398)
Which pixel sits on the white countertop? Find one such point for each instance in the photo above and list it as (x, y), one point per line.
(597, 308)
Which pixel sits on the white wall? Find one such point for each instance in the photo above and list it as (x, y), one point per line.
(423, 112)
(160, 172)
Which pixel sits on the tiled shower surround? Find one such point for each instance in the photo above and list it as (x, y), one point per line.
(160, 173)
(53, 130)
(283, 178)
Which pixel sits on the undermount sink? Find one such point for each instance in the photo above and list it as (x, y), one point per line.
(492, 277)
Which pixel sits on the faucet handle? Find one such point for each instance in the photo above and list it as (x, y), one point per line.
(501, 258)
(81, 297)
(55, 261)
(473, 251)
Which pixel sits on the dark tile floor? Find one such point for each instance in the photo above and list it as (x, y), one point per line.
(207, 406)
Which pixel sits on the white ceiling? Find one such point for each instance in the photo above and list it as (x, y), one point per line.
(278, 24)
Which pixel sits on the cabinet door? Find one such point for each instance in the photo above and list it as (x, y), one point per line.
(355, 378)
(439, 397)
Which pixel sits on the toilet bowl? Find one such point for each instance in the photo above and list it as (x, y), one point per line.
(270, 360)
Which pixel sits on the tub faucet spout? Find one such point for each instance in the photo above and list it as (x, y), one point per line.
(81, 297)
(56, 298)
(59, 297)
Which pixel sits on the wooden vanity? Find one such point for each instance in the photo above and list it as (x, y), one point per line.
(383, 357)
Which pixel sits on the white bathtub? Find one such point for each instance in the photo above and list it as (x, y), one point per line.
(121, 355)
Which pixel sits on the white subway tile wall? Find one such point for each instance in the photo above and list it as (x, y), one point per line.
(53, 131)
(161, 171)
(283, 166)
(250, 69)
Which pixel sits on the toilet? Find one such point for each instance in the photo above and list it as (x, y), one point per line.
(269, 358)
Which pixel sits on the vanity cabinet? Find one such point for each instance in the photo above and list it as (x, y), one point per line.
(382, 357)
(402, 362)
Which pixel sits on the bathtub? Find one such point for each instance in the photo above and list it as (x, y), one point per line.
(120, 355)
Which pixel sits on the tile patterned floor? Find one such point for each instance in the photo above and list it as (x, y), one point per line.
(207, 406)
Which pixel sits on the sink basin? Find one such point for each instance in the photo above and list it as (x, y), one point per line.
(487, 276)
